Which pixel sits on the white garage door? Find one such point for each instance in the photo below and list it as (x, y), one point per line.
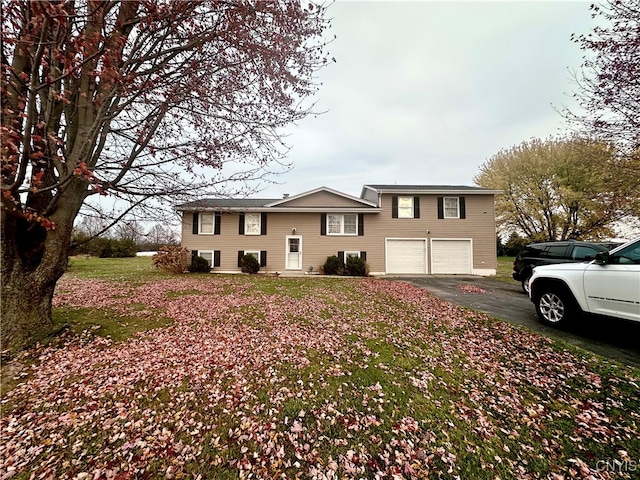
(406, 256)
(450, 256)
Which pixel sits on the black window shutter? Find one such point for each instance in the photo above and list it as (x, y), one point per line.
(241, 224)
(440, 207)
(195, 223)
(416, 207)
(394, 207)
(341, 256)
(216, 258)
(216, 228)
(263, 224)
(463, 209)
(361, 224)
(240, 255)
(263, 258)
(363, 256)
(194, 254)
(323, 224)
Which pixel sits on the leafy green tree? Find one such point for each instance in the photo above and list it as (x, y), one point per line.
(557, 189)
(514, 244)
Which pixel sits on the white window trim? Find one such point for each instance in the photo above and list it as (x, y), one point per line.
(213, 224)
(351, 254)
(253, 252)
(444, 207)
(210, 252)
(402, 211)
(246, 224)
(342, 215)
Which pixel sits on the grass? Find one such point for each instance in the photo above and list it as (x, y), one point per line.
(504, 270)
(399, 383)
(130, 270)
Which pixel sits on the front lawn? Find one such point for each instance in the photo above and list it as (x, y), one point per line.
(212, 377)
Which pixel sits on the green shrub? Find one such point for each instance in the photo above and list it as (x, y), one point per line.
(356, 267)
(199, 265)
(123, 248)
(171, 258)
(100, 247)
(249, 264)
(333, 266)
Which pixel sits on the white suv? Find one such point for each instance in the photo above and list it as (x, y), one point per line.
(609, 286)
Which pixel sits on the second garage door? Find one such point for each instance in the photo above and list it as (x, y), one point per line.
(406, 256)
(451, 256)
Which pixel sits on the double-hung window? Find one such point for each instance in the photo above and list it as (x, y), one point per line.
(207, 255)
(342, 224)
(451, 207)
(206, 223)
(252, 224)
(260, 255)
(211, 256)
(405, 207)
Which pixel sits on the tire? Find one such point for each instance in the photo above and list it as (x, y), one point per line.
(525, 285)
(555, 307)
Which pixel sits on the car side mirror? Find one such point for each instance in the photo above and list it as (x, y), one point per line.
(602, 258)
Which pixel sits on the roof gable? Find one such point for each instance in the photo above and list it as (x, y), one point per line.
(321, 198)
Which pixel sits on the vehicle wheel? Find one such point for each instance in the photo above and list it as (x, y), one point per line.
(525, 285)
(554, 307)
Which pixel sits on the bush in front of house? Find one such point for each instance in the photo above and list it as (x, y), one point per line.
(199, 265)
(333, 266)
(356, 267)
(249, 264)
(171, 258)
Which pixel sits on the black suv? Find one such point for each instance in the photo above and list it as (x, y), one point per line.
(547, 253)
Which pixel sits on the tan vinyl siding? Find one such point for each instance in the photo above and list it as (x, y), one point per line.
(315, 247)
(322, 199)
(479, 225)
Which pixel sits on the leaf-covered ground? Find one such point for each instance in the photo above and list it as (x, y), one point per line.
(260, 377)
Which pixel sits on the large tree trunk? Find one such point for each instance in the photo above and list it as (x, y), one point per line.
(33, 260)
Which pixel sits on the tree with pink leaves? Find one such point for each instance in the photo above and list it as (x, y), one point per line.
(609, 85)
(139, 100)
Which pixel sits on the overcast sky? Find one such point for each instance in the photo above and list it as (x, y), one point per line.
(425, 92)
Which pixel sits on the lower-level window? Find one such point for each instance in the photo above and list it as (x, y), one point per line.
(351, 254)
(207, 255)
(253, 253)
(260, 255)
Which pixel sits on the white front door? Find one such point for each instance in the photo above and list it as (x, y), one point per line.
(294, 252)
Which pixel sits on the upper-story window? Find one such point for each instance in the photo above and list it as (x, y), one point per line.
(252, 224)
(342, 224)
(405, 207)
(451, 207)
(206, 224)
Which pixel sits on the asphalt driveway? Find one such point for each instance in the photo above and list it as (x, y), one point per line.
(617, 340)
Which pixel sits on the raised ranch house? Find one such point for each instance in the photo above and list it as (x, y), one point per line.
(397, 229)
